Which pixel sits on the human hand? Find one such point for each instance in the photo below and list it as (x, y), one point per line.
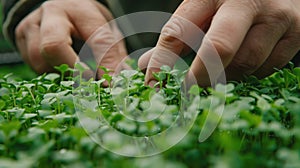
(44, 37)
(251, 37)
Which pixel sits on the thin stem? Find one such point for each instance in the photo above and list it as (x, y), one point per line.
(32, 96)
(14, 99)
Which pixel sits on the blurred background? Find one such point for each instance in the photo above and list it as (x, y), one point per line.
(13, 63)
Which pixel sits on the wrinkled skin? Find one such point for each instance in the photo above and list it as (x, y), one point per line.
(250, 37)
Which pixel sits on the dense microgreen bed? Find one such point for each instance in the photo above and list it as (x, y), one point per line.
(39, 127)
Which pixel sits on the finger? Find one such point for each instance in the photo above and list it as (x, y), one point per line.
(115, 54)
(56, 36)
(207, 67)
(37, 62)
(144, 60)
(226, 33)
(283, 52)
(255, 49)
(31, 33)
(116, 32)
(106, 49)
(229, 28)
(181, 30)
(104, 39)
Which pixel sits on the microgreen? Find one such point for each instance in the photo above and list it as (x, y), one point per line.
(39, 125)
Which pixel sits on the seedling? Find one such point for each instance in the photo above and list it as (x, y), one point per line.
(39, 126)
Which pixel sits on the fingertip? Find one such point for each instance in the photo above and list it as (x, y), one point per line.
(152, 83)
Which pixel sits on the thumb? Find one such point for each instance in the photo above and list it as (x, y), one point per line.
(145, 59)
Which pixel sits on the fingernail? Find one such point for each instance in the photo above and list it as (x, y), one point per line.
(152, 83)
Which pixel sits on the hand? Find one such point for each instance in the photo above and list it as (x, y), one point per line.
(44, 37)
(251, 37)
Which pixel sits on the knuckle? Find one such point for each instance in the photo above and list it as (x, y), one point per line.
(282, 13)
(21, 28)
(49, 47)
(246, 65)
(103, 36)
(30, 22)
(171, 33)
(224, 48)
(258, 51)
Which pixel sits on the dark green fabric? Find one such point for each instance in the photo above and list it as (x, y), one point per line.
(4, 45)
(7, 5)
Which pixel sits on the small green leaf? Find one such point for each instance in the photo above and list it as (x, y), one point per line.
(252, 119)
(104, 69)
(107, 77)
(195, 90)
(67, 83)
(10, 127)
(263, 104)
(2, 104)
(16, 111)
(47, 125)
(52, 77)
(62, 68)
(129, 73)
(66, 156)
(165, 68)
(29, 115)
(80, 67)
(297, 71)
